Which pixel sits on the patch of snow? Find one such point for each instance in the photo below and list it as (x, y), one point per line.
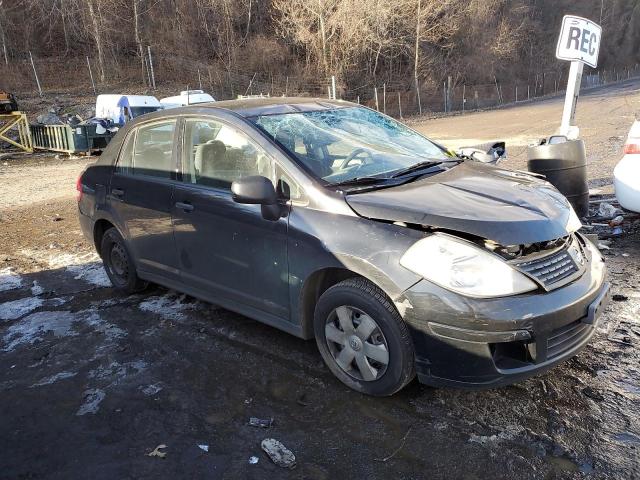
(36, 289)
(34, 327)
(92, 399)
(54, 378)
(509, 433)
(110, 331)
(92, 273)
(83, 266)
(116, 371)
(9, 280)
(56, 301)
(170, 305)
(19, 308)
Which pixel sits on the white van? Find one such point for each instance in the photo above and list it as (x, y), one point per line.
(122, 108)
(186, 97)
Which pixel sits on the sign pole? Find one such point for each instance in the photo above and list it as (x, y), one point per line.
(571, 98)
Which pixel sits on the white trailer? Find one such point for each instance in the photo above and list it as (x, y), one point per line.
(186, 97)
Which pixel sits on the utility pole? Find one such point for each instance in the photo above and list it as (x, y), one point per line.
(93, 84)
(415, 60)
(35, 73)
(153, 76)
(384, 98)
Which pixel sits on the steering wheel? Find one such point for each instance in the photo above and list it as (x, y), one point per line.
(352, 156)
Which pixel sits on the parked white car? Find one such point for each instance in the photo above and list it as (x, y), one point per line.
(186, 97)
(626, 175)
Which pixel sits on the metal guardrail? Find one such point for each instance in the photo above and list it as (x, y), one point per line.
(56, 138)
(17, 120)
(68, 139)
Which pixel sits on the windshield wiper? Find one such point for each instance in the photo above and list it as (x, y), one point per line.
(416, 167)
(358, 181)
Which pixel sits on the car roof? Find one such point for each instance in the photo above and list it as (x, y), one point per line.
(252, 107)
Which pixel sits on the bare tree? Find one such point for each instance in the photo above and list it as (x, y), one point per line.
(95, 16)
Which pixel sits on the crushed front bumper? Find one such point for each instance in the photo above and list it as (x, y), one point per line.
(467, 342)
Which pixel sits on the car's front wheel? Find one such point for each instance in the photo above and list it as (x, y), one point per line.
(119, 264)
(362, 338)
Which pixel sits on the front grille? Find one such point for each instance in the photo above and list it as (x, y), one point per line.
(550, 270)
(566, 337)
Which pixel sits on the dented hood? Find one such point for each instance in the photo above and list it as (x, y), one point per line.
(505, 206)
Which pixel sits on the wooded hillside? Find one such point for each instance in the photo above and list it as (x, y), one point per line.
(304, 42)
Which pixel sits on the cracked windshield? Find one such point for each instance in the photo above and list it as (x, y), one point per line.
(344, 144)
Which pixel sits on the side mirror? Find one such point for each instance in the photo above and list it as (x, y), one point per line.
(256, 190)
(489, 153)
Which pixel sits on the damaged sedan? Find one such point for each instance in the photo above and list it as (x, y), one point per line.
(331, 221)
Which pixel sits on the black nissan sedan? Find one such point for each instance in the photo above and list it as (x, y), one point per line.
(332, 221)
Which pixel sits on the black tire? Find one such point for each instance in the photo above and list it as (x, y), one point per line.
(119, 264)
(365, 298)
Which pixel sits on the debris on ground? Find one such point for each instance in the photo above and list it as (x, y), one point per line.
(607, 210)
(618, 297)
(260, 422)
(593, 394)
(92, 399)
(152, 389)
(278, 453)
(616, 221)
(253, 460)
(389, 457)
(156, 452)
(204, 448)
(49, 118)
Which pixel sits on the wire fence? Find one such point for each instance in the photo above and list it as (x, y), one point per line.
(160, 74)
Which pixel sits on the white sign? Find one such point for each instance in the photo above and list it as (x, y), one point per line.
(579, 40)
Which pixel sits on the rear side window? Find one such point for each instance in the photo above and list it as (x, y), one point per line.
(153, 150)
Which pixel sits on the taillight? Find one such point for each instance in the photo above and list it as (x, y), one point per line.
(79, 188)
(632, 146)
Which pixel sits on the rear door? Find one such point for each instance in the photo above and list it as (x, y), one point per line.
(228, 250)
(141, 195)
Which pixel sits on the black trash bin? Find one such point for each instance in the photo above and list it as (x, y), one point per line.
(565, 166)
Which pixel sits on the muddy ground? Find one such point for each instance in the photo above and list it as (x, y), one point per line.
(92, 381)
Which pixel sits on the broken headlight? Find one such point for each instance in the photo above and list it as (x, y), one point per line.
(462, 267)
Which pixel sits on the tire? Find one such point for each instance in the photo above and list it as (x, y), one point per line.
(119, 264)
(355, 302)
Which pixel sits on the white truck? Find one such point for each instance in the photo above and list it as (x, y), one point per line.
(122, 108)
(186, 97)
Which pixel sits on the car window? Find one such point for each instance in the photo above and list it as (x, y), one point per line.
(153, 150)
(216, 155)
(126, 154)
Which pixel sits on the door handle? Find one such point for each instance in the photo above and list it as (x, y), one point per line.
(117, 192)
(187, 207)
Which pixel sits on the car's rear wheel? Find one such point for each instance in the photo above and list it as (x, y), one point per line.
(362, 338)
(119, 264)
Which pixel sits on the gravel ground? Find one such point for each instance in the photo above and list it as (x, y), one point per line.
(92, 381)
